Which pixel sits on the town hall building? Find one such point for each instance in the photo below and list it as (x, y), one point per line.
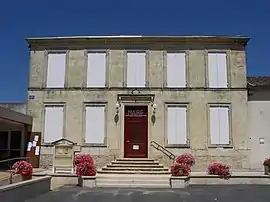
(118, 96)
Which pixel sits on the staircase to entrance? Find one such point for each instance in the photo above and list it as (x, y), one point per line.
(134, 172)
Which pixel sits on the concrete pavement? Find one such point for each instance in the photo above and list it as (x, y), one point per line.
(222, 193)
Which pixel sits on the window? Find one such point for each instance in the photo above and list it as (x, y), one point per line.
(217, 70)
(96, 69)
(177, 124)
(94, 124)
(136, 69)
(53, 123)
(219, 126)
(56, 70)
(176, 70)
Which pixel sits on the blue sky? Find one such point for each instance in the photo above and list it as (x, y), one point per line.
(21, 19)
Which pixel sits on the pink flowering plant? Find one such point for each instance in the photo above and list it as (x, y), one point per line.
(220, 169)
(80, 158)
(84, 165)
(23, 168)
(267, 162)
(178, 169)
(186, 159)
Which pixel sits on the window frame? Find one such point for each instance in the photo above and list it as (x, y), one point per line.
(51, 104)
(224, 105)
(177, 104)
(228, 68)
(46, 65)
(89, 104)
(165, 63)
(106, 68)
(146, 82)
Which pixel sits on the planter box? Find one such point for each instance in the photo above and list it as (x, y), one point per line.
(22, 191)
(179, 182)
(233, 180)
(266, 170)
(87, 181)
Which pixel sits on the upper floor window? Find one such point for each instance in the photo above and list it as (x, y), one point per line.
(136, 70)
(217, 70)
(96, 69)
(176, 70)
(56, 70)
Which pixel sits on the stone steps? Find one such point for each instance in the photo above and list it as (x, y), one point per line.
(135, 169)
(133, 181)
(135, 162)
(135, 165)
(134, 173)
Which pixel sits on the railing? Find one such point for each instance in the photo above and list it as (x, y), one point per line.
(163, 150)
(10, 162)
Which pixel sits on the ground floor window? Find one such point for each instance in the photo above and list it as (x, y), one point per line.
(53, 123)
(176, 125)
(219, 125)
(94, 124)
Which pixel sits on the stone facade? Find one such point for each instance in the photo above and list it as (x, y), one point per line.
(197, 95)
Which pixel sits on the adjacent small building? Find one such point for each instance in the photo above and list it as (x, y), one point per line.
(114, 95)
(15, 128)
(259, 119)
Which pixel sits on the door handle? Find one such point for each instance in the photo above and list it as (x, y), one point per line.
(127, 141)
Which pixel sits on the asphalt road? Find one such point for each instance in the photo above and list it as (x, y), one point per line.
(223, 193)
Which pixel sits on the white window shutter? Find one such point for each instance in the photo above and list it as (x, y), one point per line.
(136, 70)
(53, 123)
(222, 70)
(176, 70)
(177, 125)
(181, 116)
(56, 70)
(95, 124)
(224, 127)
(212, 70)
(214, 125)
(171, 125)
(96, 70)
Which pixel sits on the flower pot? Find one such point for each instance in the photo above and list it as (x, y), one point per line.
(26, 177)
(266, 170)
(80, 181)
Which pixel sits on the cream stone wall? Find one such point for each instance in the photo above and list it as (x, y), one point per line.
(197, 97)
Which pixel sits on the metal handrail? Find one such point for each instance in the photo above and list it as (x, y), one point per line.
(163, 150)
(10, 165)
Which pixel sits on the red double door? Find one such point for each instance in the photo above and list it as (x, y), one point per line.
(136, 132)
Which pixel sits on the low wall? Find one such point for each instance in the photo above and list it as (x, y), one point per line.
(59, 180)
(239, 179)
(22, 191)
(185, 181)
(6, 180)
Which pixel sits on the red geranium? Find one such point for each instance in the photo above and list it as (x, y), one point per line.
(22, 168)
(79, 158)
(220, 169)
(85, 169)
(185, 159)
(84, 165)
(178, 169)
(266, 162)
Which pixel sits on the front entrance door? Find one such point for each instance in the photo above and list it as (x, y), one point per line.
(136, 132)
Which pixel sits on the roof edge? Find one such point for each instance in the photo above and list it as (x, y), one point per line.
(238, 38)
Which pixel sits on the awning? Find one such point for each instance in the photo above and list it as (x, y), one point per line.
(13, 116)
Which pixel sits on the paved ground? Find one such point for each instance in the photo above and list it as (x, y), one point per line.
(223, 193)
